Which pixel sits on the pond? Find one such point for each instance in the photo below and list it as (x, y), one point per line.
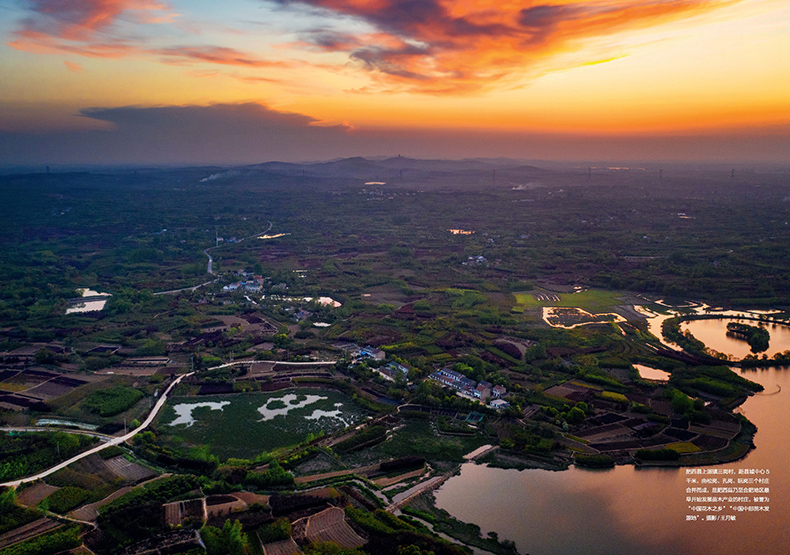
(654, 322)
(59, 422)
(184, 411)
(325, 301)
(89, 306)
(245, 425)
(569, 318)
(714, 334)
(653, 374)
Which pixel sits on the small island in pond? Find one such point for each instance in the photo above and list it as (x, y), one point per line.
(757, 337)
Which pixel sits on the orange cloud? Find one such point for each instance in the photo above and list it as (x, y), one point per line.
(439, 46)
(80, 19)
(85, 28)
(213, 55)
(76, 68)
(42, 43)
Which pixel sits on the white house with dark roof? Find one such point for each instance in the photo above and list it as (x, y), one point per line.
(498, 391)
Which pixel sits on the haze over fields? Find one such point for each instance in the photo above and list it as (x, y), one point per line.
(245, 81)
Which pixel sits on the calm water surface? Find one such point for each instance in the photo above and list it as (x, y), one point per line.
(629, 510)
(654, 374)
(714, 334)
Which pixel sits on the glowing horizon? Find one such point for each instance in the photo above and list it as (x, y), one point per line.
(599, 68)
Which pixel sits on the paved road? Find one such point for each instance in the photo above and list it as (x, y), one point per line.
(210, 267)
(211, 260)
(114, 441)
(404, 497)
(174, 291)
(276, 363)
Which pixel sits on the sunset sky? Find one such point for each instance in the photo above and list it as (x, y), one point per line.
(245, 81)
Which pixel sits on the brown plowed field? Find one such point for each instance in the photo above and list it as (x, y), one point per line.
(285, 547)
(28, 531)
(36, 493)
(330, 526)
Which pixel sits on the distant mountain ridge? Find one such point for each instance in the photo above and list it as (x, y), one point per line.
(388, 168)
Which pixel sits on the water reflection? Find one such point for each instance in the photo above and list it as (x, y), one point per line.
(653, 374)
(89, 306)
(714, 334)
(96, 302)
(630, 510)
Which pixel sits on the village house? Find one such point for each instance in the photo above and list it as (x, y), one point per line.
(372, 352)
(456, 380)
(483, 390)
(448, 377)
(302, 315)
(393, 369)
(252, 286)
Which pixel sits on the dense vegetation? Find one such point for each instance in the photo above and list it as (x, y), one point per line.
(12, 515)
(755, 336)
(112, 401)
(57, 541)
(620, 231)
(137, 515)
(427, 297)
(657, 455)
(371, 435)
(23, 454)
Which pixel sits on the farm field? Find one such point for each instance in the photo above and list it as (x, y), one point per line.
(418, 437)
(245, 425)
(592, 300)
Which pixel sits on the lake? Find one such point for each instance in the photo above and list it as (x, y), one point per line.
(714, 334)
(630, 510)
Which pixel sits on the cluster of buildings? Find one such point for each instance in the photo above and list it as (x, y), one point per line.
(393, 370)
(253, 285)
(355, 353)
(483, 390)
(389, 371)
(475, 261)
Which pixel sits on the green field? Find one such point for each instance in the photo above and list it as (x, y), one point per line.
(592, 300)
(239, 430)
(417, 438)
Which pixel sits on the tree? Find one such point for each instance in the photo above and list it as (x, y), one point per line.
(575, 415)
(45, 356)
(682, 403)
(236, 539)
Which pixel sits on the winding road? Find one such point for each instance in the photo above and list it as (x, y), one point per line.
(114, 441)
(210, 267)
